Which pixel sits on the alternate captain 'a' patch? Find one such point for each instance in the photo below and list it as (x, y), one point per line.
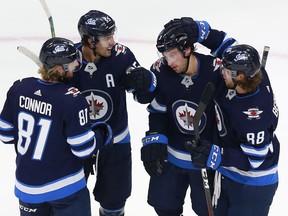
(183, 112)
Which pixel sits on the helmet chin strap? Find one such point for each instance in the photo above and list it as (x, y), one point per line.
(188, 62)
(235, 85)
(93, 48)
(94, 52)
(234, 79)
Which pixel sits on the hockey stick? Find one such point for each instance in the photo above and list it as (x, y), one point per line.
(25, 51)
(30, 55)
(205, 99)
(265, 55)
(49, 16)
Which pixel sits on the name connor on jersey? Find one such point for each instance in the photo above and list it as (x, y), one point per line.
(35, 105)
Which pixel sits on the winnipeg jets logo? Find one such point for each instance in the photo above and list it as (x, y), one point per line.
(187, 117)
(253, 113)
(120, 49)
(74, 91)
(59, 48)
(91, 21)
(184, 112)
(96, 105)
(241, 57)
(100, 104)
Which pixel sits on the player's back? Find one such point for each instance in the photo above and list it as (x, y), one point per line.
(248, 121)
(45, 116)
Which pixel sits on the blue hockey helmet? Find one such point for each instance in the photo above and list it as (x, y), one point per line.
(59, 51)
(242, 58)
(94, 24)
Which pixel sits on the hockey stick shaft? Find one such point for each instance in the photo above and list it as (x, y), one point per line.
(204, 101)
(30, 55)
(28, 52)
(207, 191)
(49, 16)
(265, 55)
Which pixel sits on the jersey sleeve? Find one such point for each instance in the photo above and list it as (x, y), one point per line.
(218, 41)
(7, 129)
(79, 134)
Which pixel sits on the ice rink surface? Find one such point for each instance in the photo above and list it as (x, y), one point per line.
(256, 22)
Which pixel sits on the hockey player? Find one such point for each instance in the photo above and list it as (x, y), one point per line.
(182, 75)
(108, 70)
(48, 123)
(247, 117)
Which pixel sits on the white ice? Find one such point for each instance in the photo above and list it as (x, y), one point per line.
(257, 22)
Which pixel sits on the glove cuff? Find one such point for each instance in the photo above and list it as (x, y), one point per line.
(155, 139)
(214, 158)
(204, 30)
(153, 82)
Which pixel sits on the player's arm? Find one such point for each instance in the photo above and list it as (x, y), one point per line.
(85, 140)
(215, 40)
(6, 131)
(257, 146)
(154, 151)
(201, 32)
(7, 128)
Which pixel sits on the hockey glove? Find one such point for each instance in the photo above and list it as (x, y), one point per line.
(139, 79)
(204, 154)
(154, 153)
(197, 31)
(104, 135)
(88, 166)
